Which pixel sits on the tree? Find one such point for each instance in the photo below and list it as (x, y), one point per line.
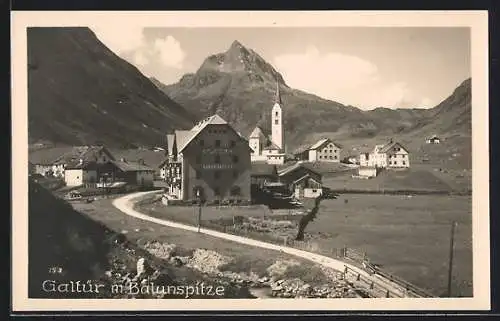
(308, 218)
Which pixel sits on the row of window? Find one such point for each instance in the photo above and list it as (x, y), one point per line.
(234, 158)
(329, 150)
(327, 157)
(217, 143)
(217, 131)
(395, 163)
(400, 155)
(216, 174)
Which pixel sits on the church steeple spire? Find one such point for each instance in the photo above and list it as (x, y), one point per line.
(277, 99)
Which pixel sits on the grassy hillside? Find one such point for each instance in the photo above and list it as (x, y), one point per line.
(79, 92)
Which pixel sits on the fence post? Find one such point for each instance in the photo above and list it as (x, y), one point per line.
(359, 277)
(387, 295)
(371, 286)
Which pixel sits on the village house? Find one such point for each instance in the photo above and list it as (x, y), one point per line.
(303, 181)
(211, 161)
(53, 161)
(80, 173)
(433, 140)
(131, 173)
(391, 155)
(324, 150)
(270, 148)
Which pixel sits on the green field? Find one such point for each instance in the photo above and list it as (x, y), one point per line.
(189, 214)
(413, 179)
(408, 237)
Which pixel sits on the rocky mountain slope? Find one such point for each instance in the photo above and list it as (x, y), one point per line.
(80, 92)
(240, 85)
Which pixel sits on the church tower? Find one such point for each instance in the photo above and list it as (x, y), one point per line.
(277, 129)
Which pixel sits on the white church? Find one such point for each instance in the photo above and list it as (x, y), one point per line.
(270, 149)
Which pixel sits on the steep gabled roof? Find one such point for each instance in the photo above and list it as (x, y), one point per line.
(390, 145)
(294, 167)
(184, 137)
(304, 177)
(257, 133)
(320, 143)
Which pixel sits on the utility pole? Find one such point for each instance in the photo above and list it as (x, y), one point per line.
(199, 216)
(198, 194)
(450, 263)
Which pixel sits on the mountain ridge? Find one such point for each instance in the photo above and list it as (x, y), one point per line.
(242, 92)
(80, 92)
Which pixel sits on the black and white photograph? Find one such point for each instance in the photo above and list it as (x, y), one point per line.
(250, 160)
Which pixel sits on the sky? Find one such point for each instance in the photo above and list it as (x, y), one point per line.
(366, 67)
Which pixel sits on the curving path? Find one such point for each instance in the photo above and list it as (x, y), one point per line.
(125, 205)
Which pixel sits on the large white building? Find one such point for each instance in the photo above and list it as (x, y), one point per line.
(390, 155)
(270, 149)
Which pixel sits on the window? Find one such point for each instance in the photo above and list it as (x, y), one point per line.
(334, 150)
(217, 143)
(235, 159)
(198, 174)
(232, 144)
(331, 150)
(320, 156)
(216, 174)
(216, 191)
(202, 142)
(276, 121)
(335, 157)
(217, 159)
(404, 163)
(235, 191)
(276, 114)
(331, 157)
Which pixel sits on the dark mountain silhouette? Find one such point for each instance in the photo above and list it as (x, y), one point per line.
(79, 92)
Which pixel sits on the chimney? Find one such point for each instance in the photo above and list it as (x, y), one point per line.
(80, 161)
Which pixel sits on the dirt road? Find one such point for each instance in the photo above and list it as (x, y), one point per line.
(125, 205)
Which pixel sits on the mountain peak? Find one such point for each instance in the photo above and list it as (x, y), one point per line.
(239, 59)
(236, 45)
